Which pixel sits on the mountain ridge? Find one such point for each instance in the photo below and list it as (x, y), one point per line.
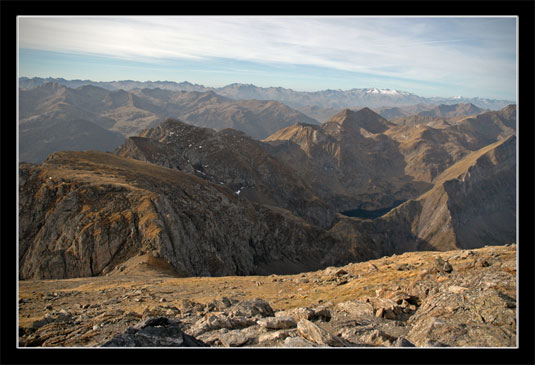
(86, 213)
(296, 99)
(129, 112)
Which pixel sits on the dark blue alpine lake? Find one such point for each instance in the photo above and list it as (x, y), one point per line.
(371, 214)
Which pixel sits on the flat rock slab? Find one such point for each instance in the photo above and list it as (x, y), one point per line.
(215, 322)
(316, 334)
(277, 322)
(356, 308)
(298, 342)
(234, 338)
(273, 336)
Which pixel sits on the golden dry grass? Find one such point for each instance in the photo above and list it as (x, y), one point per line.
(281, 291)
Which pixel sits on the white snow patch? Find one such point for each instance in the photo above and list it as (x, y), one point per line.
(385, 92)
(389, 92)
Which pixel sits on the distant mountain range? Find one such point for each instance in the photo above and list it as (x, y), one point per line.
(54, 117)
(109, 116)
(337, 99)
(429, 110)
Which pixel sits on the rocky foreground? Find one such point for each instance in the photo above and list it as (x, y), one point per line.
(425, 299)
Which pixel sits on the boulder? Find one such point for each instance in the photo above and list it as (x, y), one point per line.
(215, 322)
(234, 338)
(277, 322)
(154, 332)
(443, 266)
(298, 342)
(356, 308)
(252, 308)
(274, 336)
(297, 313)
(403, 342)
(318, 335)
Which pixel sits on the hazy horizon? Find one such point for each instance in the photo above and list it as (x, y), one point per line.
(267, 87)
(426, 56)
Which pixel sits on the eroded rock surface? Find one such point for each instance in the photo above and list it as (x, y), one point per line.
(471, 305)
(154, 332)
(88, 213)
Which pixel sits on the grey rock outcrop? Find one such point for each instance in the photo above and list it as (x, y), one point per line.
(318, 335)
(277, 322)
(154, 332)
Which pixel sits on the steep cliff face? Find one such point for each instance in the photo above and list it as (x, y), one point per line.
(232, 159)
(428, 150)
(482, 200)
(472, 204)
(83, 213)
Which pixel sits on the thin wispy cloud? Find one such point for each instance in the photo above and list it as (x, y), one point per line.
(453, 50)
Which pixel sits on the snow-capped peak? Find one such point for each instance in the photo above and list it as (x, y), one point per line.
(384, 91)
(389, 92)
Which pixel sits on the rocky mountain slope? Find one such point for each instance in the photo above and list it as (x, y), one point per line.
(315, 171)
(62, 131)
(336, 156)
(232, 159)
(138, 231)
(129, 112)
(340, 160)
(85, 213)
(256, 118)
(429, 148)
(472, 203)
(461, 298)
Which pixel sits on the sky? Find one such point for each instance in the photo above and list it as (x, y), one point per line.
(427, 56)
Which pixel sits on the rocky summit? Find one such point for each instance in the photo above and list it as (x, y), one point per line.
(340, 159)
(460, 298)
